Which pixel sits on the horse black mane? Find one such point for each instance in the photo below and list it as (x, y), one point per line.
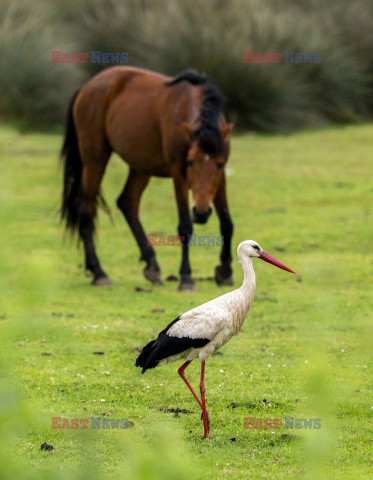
(209, 136)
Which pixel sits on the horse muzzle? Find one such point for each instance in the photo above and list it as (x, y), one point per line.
(201, 217)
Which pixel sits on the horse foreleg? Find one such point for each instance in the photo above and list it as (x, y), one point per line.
(223, 272)
(129, 202)
(185, 229)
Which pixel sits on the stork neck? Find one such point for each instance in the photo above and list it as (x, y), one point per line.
(248, 271)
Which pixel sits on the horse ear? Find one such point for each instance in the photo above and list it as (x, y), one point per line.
(188, 128)
(225, 131)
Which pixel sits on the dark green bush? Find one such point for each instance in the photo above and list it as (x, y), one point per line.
(212, 37)
(33, 90)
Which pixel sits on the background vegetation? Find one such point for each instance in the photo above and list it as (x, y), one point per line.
(210, 36)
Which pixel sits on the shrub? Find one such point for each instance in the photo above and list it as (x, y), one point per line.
(210, 36)
(33, 90)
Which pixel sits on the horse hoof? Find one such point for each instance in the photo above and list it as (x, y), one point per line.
(224, 281)
(102, 282)
(220, 279)
(187, 286)
(154, 276)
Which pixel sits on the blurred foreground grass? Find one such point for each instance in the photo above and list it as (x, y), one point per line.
(307, 199)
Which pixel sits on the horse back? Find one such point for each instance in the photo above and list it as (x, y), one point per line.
(132, 111)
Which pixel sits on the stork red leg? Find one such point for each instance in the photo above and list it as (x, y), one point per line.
(205, 415)
(182, 375)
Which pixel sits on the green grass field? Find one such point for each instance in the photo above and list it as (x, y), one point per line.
(303, 353)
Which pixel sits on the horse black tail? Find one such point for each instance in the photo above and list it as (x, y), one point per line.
(72, 164)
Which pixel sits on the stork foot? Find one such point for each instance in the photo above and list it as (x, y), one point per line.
(223, 275)
(187, 284)
(153, 274)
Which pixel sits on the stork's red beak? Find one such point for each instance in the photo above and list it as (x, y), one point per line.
(268, 258)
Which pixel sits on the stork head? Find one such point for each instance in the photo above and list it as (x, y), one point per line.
(250, 248)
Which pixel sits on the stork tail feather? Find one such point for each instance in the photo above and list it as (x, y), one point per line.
(144, 359)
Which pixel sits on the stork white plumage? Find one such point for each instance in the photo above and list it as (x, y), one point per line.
(205, 329)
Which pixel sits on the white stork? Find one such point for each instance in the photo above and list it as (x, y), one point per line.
(205, 329)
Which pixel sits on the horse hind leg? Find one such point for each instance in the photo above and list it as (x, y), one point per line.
(91, 179)
(129, 202)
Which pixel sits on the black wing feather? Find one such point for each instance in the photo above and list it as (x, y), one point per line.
(165, 346)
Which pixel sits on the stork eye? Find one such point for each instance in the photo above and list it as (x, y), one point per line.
(220, 166)
(256, 247)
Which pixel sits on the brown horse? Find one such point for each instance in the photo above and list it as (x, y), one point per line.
(161, 126)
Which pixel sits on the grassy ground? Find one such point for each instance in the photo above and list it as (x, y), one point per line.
(303, 352)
